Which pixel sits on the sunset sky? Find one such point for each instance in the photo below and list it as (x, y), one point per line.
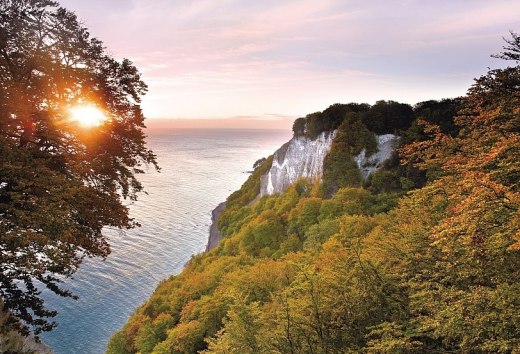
(272, 59)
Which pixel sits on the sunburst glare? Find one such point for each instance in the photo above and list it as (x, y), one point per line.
(87, 115)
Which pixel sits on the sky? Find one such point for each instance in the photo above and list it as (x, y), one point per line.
(264, 63)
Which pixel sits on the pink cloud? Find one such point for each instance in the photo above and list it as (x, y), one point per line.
(217, 58)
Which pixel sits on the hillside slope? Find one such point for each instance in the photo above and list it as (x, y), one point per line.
(420, 257)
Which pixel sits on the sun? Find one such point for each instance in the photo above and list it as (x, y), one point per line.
(87, 115)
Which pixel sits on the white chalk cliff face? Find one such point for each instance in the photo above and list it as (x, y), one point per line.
(300, 157)
(386, 145)
(303, 157)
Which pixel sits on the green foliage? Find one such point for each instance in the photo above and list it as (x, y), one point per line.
(358, 201)
(285, 203)
(339, 167)
(304, 215)
(231, 220)
(313, 125)
(251, 188)
(259, 163)
(60, 183)
(153, 332)
(330, 119)
(243, 332)
(440, 113)
(256, 262)
(118, 344)
(235, 214)
(262, 235)
(356, 126)
(186, 337)
(386, 181)
(318, 233)
(367, 270)
(339, 170)
(298, 127)
(388, 117)
(389, 337)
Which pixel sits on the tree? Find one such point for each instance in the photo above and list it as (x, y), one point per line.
(440, 113)
(243, 332)
(298, 127)
(313, 125)
(465, 299)
(60, 183)
(388, 116)
(512, 50)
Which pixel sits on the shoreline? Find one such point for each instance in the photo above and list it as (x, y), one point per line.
(214, 234)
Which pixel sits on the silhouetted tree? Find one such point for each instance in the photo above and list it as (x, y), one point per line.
(440, 113)
(512, 50)
(314, 125)
(60, 183)
(298, 127)
(388, 116)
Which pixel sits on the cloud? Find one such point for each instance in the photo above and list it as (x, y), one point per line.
(231, 57)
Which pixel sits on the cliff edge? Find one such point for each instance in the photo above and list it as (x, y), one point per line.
(300, 157)
(214, 233)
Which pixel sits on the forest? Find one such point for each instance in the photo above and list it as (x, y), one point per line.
(422, 257)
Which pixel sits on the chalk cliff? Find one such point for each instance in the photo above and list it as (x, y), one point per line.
(300, 157)
(303, 157)
(386, 145)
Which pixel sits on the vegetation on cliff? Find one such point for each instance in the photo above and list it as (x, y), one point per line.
(367, 270)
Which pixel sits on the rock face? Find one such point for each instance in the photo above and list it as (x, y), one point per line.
(386, 145)
(300, 157)
(214, 233)
(303, 157)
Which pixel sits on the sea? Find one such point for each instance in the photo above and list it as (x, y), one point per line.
(199, 169)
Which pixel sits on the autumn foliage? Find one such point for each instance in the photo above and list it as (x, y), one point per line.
(434, 270)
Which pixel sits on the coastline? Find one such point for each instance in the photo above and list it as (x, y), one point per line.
(214, 234)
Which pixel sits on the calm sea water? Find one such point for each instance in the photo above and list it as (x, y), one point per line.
(200, 168)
